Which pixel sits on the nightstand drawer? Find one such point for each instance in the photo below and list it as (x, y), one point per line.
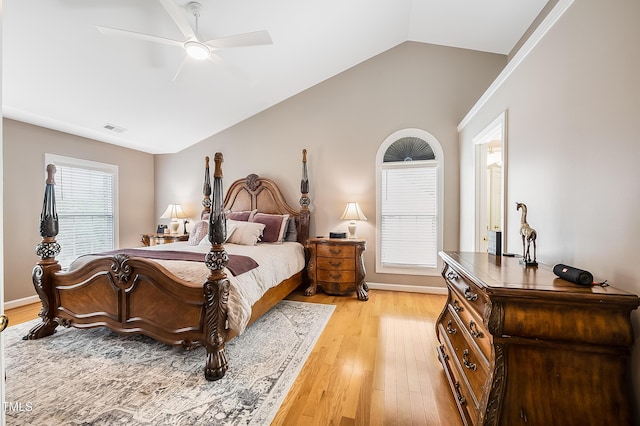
(336, 263)
(336, 276)
(331, 250)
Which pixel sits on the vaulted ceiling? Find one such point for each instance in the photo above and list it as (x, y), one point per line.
(60, 72)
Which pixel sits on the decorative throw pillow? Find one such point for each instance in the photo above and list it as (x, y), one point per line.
(230, 229)
(244, 216)
(275, 226)
(292, 230)
(245, 233)
(198, 232)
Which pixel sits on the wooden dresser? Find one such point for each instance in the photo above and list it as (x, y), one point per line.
(520, 346)
(337, 266)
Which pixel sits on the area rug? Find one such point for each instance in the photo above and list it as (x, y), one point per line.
(97, 377)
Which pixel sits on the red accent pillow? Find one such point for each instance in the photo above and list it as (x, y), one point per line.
(275, 226)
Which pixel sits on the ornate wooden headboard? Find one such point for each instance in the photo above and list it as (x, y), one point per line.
(262, 194)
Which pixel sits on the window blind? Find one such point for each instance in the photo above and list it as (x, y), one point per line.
(85, 205)
(409, 228)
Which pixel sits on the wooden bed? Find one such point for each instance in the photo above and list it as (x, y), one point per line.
(135, 295)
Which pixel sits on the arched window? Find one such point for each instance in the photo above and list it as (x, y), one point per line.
(409, 208)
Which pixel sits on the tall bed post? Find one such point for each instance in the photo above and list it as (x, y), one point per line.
(47, 249)
(216, 288)
(305, 201)
(206, 189)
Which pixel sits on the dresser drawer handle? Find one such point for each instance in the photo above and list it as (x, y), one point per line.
(335, 251)
(466, 362)
(335, 264)
(335, 276)
(459, 396)
(457, 307)
(450, 329)
(452, 275)
(471, 297)
(473, 328)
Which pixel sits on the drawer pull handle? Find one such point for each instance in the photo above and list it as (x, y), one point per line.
(466, 362)
(459, 396)
(334, 251)
(452, 275)
(450, 329)
(473, 328)
(471, 297)
(457, 307)
(335, 264)
(335, 276)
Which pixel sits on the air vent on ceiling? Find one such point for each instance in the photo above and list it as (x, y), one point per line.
(114, 128)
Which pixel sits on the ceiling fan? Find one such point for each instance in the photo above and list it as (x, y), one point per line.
(193, 46)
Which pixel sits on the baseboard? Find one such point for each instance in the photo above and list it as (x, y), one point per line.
(407, 288)
(21, 302)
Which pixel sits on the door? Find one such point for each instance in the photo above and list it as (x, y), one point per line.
(490, 178)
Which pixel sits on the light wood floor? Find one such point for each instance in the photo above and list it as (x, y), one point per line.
(374, 364)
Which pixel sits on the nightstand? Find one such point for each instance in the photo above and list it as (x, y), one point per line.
(337, 266)
(155, 239)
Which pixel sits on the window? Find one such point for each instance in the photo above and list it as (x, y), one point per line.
(409, 209)
(86, 204)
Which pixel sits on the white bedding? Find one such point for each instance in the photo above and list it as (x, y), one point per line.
(277, 262)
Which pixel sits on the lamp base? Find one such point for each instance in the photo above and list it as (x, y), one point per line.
(352, 230)
(174, 225)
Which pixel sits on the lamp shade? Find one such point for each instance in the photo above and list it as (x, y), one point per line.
(353, 212)
(173, 211)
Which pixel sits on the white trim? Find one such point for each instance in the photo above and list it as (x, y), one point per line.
(21, 302)
(548, 22)
(407, 288)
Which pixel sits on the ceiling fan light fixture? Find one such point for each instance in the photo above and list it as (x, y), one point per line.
(196, 50)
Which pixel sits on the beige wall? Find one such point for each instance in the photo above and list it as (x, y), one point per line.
(342, 122)
(574, 145)
(24, 147)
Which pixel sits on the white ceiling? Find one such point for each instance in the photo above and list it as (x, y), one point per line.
(60, 72)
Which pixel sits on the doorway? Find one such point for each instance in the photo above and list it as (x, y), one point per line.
(490, 178)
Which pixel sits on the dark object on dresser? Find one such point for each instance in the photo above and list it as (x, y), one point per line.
(575, 275)
(520, 346)
(337, 235)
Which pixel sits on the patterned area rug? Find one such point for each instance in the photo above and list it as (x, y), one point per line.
(97, 377)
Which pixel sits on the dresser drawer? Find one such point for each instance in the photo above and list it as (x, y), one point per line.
(461, 393)
(336, 250)
(337, 263)
(469, 359)
(336, 276)
(466, 289)
(472, 322)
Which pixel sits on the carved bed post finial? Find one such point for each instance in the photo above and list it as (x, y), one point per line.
(206, 188)
(47, 250)
(216, 289)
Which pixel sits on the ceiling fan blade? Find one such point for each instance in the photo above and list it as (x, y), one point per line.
(255, 38)
(142, 36)
(175, 77)
(179, 18)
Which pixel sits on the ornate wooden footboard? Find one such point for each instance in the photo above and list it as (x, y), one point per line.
(135, 295)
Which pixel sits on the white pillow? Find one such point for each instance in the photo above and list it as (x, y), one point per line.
(198, 232)
(245, 233)
(230, 229)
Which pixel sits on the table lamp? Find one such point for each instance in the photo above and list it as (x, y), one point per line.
(352, 212)
(173, 212)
